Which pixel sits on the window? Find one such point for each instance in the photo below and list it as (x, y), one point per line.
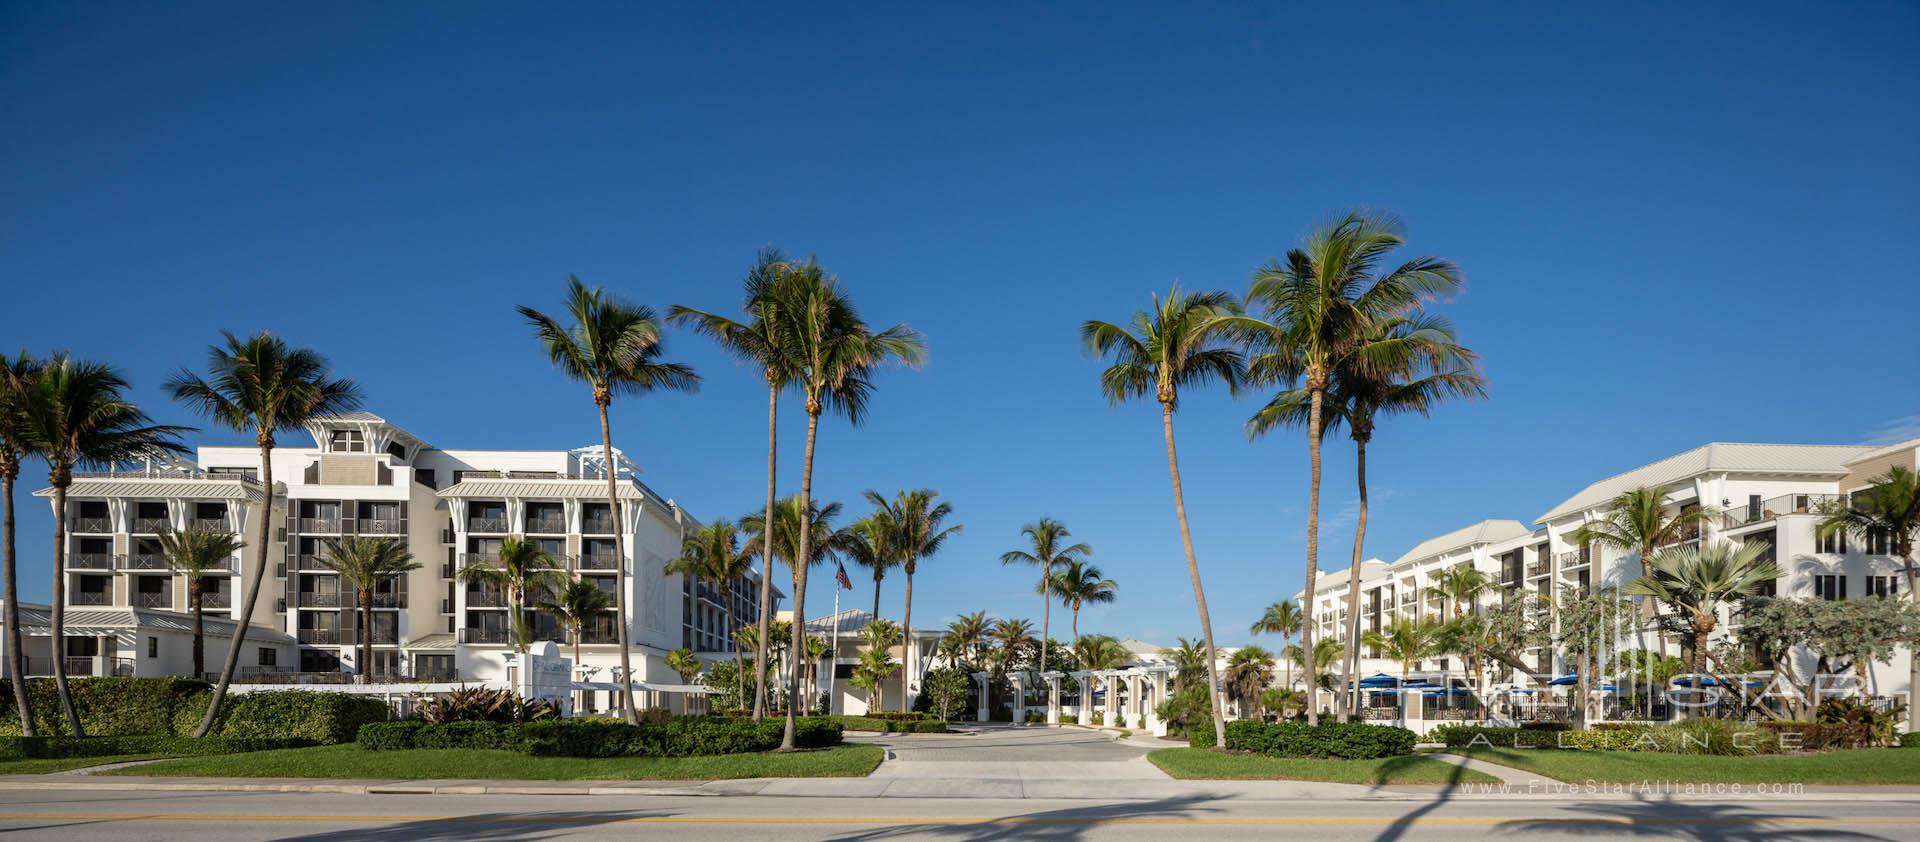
(153, 647)
(269, 657)
(1830, 587)
(1835, 543)
(396, 450)
(425, 477)
(1883, 586)
(347, 441)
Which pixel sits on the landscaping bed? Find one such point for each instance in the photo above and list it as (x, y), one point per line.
(348, 761)
(173, 707)
(1850, 767)
(1327, 740)
(684, 736)
(894, 724)
(1205, 764)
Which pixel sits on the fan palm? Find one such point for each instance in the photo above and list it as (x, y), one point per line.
(1180, 343)
(614, 348)
(366, 563)
(1318, 306)
(1049, 551)
(712, 554)
(576, 607)
(834, 353)
(1081, 583)
(194, 554)
(75, 415)
(16, 375)
(1281, 618)
(1889, 511)
(1099, 652)
(522, 569)
(1405, 641)
(1696, 581)
(968, 634)
(915, 526)
(1249, 672)
(761, 340)
(259, 385)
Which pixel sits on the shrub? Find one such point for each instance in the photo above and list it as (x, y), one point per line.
(325, 718)
(1714, 736)
(1036, 715)
(1183, 709)
(1348, 740)
(1200, 732)
(1911, 739)
(1883, 725)
(1693, 736)
(685, 736)
(890, 726)
(1820, 736)
(389, 736)
(111, 706)
(484, 704)
(1545, 726)
(895, 715)
(1100, 718)
(14, 748)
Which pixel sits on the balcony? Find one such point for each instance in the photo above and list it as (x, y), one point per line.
(1573, 559)
(93, 525)
(210, 524)
(484, 635)
(153, 600)
(90, 561)
(597, 561)
(90, 598)
(487, 524)
(152, 525)
(381, 526)
(554, 525)
(599, 637)
(389, 600)
(146, 561)
(319, 525)
(486, 599)
(597, 526)
(316, 561)
(479, 560)
(319, 637)
(1536, 570)
(221, 599)
(1785, 504)
(81, 665)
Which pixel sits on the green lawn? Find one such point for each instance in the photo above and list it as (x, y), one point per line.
(41, 766)
(1859, 766)
(350, 761)
(1203, 764)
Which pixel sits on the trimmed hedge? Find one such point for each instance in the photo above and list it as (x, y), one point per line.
(685, 736)
(1340, 740)
(111, 707)
(325, 718)
(18, 748)
(896, 716)
(1694, 736)
(892, 726)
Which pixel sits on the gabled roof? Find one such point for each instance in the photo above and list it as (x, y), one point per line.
(851, 621)
(439, 641)
(360, 417)
(1484, 532)
(1887, 450)
(1718, 457)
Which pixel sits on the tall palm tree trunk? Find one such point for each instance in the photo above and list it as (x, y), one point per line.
(264, 439)
(366, 635)
(800, 560)
(1193, 573)
(1353, 581)
(1286, 661)
(906, 639)
(16, 650)
(59, 611)
(1046, 612)
(739, 660)
(620, 569)
(1313, 540)
(766, 557)
(1076, 625)
(1904, 546)
(195, 590)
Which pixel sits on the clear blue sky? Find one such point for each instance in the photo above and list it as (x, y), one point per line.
(1679, 224)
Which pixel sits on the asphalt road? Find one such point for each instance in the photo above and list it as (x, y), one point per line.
(111, 816)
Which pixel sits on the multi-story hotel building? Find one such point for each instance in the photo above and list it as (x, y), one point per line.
(452, 509)
(1769, 494)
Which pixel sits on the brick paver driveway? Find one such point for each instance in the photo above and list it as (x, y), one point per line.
(1009, 756)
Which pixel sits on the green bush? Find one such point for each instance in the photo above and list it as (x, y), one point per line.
(1821, 736)
(890, 726)
(111, 707)
(685, 736)
(1183, 709)
(1200, 732)
(389, 736)
(1693, 736)
(1346, 740)
(895, 715)
(16, 748)
(325, 718)
(1911, 739)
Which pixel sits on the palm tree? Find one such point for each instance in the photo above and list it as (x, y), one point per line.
(865, 541)
(1179, 343)
(259, 385)
(1249, 672)
(1404, 640)
(1015, 641)
(816, 651)
(16, 376)
(1696, 581)
(1189, 663)
(1475, 640)
(762, 340)
(522, 569)
(1319, 305)
(834, 353)
(1326, 654)
(684, 663)
(876, 663)
(915, 527)
(1081, 583)
(195, 553)
(575, 607)
(1281, 618)
(1637, 522)
(1402, 364)
(712, 553)
(968, 634)
(824, 542)
(75, 415)
(614, 348)
(366, 563)
(1888, 511)
(1460, 585)
(1046, 538)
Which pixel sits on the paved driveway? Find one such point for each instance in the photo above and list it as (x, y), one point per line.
(1013, 760)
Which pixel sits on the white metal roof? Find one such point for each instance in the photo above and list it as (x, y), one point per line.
(211, 488)
(1718, 457)
(1888, 450)
(85, 621)
(441, 640)
(1484, 532)
(562, 488)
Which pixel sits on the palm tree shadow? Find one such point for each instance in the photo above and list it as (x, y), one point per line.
(1401, 825)
(1696, 820)
(1063, 825)
(479, 826)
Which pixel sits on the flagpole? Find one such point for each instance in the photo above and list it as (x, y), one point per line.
(833, 648)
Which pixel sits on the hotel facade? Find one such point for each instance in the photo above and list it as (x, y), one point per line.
(365, 476)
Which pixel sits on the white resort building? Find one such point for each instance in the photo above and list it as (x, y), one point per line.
(366, 476)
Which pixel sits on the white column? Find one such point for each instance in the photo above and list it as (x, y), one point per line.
(1019, 698)
(1085, 680)
(981, 678)
(1053, 698)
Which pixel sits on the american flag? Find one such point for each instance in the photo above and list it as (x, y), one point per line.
(845, 582)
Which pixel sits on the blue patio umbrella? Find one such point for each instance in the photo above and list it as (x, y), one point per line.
(1522, 691)
(1379, 679)
(1567, 680)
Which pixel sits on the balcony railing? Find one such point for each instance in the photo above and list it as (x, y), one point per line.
(320, 599)
(153, 600)
(1573, 558)
(1785, 504)
(486, 524)
(320, 637)
(91, 561)
(210, 524)
(167, 473)
(484, 635)
(479, 560)
(146, 561)
(389, 600)
(93, 525)
(547, 525)
(597, 526)
(222, 599)
(312, 561)
(320, 525)
(82, 665)
(596, 637)
(486, 599)
(1536, 569)
(90, 598)
(381, 526)
(597, 561)
(152, 525)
